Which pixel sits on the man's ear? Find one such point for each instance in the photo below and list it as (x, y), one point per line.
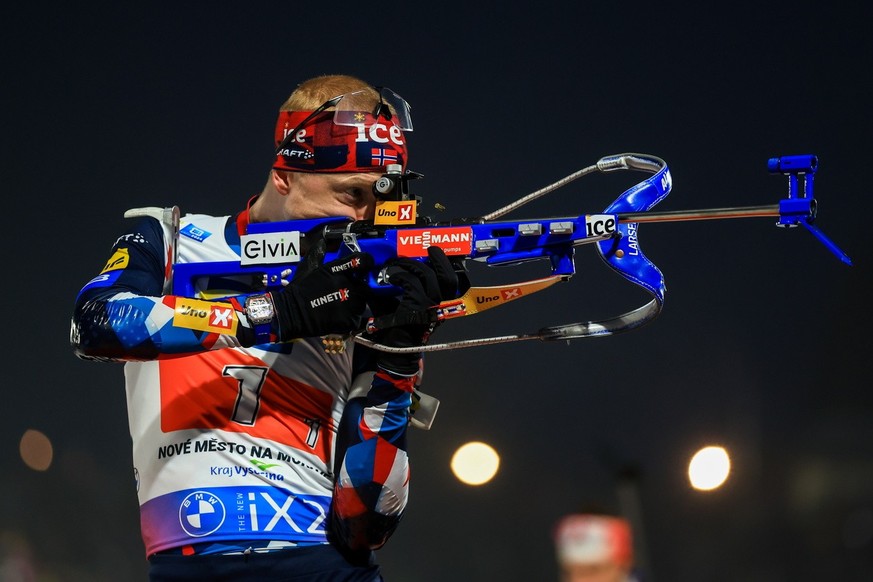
(282, 181)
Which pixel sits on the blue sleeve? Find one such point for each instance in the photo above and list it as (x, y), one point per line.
(372, 472)
(121, 314)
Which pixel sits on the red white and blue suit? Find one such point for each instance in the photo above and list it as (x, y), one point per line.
(275, 445)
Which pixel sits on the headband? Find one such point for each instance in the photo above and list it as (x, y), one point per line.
(361, 144)
(593, 538)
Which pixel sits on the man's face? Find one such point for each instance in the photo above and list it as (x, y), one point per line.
(324, 195)
(593, 572)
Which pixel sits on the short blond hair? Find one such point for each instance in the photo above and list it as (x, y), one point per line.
(313, 92)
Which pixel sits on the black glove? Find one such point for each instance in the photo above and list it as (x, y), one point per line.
(323, 298)
(409, 321)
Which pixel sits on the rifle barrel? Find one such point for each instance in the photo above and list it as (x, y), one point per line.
(703, 214)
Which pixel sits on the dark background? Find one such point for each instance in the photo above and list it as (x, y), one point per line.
(763, 345)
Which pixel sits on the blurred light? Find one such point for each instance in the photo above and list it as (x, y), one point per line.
(475, 463)
(36, 450)
(709, 468)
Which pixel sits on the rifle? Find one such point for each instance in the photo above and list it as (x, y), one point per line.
(271, 251)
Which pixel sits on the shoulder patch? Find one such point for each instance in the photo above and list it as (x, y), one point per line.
(195, 232)
(119, 260)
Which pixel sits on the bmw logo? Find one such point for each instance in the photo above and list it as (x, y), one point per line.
(201, 513)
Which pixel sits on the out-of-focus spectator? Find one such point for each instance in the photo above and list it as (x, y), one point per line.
(593, 547)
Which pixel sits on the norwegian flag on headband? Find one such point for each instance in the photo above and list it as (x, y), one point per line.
(383, 157)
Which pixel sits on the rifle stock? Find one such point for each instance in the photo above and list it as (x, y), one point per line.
(272, 251)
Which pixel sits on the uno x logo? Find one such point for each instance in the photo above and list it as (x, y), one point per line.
(405, 212)
(513, 293)
(208, 316)
(221, 317)
(395, 212)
